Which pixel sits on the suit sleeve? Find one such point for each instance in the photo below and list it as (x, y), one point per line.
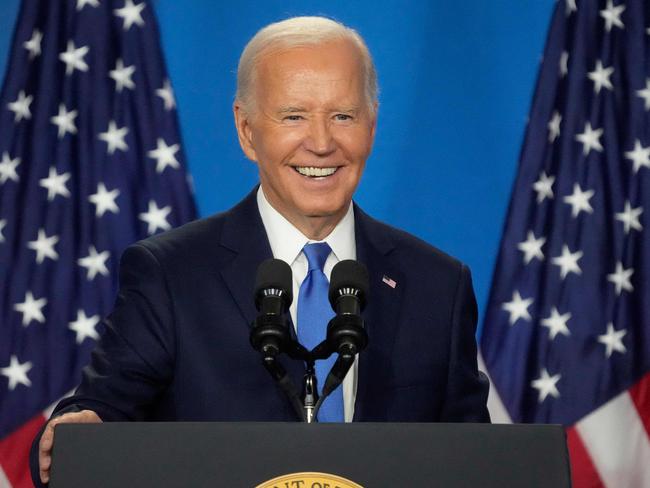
(467, 387)
(132, 362)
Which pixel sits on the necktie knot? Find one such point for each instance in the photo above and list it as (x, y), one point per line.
(316, 255)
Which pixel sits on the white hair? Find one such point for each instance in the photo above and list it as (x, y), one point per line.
(297, 32)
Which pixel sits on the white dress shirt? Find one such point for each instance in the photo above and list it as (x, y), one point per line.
(287, 243)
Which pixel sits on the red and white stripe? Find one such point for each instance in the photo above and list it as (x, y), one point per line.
(14, 454)
(616, 439)
(610, 447)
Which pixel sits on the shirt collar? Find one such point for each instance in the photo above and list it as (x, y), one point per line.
(287, 242)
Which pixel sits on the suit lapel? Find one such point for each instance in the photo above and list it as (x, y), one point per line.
(244, 235)
(382, 313)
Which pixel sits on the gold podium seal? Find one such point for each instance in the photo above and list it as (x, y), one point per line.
(309, 480)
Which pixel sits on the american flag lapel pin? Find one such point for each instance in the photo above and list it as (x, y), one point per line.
(389, 281)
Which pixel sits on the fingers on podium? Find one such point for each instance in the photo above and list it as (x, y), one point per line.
(47, 439)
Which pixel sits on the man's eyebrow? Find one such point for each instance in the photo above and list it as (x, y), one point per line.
(350, 109)
(291, 109)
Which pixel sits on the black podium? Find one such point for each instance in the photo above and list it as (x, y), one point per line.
(249, 455)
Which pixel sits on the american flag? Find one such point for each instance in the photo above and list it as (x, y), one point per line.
(567, 329)
(91, 161)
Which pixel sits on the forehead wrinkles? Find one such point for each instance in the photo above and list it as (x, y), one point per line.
(313, 85)
(311, 71)
(307, 93)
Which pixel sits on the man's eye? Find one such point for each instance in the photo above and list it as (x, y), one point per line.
(293, 118)
(343, 117)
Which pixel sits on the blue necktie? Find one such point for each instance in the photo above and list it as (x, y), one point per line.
(314, 312)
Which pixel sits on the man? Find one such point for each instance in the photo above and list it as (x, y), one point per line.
(176, 345)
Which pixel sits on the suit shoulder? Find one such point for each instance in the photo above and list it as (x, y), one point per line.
(188, 239)
(412, 248)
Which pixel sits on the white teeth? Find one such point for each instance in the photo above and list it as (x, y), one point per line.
(315, 172)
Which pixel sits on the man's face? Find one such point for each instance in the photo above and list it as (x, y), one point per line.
(310, 130)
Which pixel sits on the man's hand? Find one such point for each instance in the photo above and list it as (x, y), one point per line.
(47, 439)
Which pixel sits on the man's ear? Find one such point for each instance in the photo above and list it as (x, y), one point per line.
(244, 130)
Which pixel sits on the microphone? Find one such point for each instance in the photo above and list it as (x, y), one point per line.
(348, 295)
(269, 334)
(346, 334)
(273, 296)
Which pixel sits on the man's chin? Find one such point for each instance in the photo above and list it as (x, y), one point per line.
(325, 212)
(322, 215)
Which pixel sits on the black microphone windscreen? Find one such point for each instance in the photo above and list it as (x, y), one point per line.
(274, 274)
(349, 274)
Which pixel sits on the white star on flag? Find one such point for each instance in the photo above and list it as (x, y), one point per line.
(122, 75)
(20, 107)
(104, 200)
(564, 64)
(94, 263)
(544, 187)
(621, 278)
(645, 93)
(84, 326)
(640, 156)
(156, 218)
(167, 95)
(517, 308)
(600, 77)
(554, 126)
(612, 15)
(579, 200)
(532, 247)
(31, 309)
(74, 58)
(613, 340)
(64, 120)
(570, 7)
(114, 137)
(17, 372)
(44, 246)
(3, 223)
(630, 217)
(590, 139)
(568, 262)
(164, 155)
(82, 3)
(8, 168)
(130, 13)
(556, 323)
(33, 45)
(545, 384)
(55, 184)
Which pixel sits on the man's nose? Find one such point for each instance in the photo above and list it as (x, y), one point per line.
(320, 140)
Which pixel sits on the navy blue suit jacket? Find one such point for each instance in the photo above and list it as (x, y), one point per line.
(176, 346)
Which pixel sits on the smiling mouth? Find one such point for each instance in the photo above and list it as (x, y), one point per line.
(314, 172)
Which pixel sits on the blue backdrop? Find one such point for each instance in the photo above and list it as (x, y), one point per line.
(456, 82)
